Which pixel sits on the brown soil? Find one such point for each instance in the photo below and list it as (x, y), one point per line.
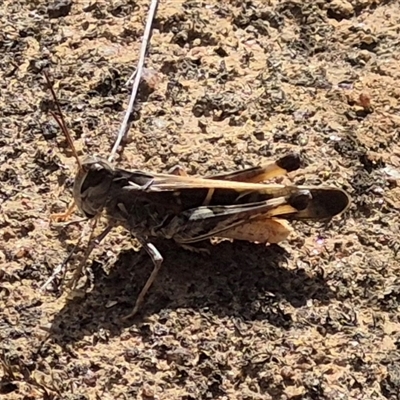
(230, 84)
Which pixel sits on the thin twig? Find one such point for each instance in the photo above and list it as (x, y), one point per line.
(146, 37)
(131, 78)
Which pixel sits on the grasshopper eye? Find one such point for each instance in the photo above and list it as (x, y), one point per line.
(300, 200)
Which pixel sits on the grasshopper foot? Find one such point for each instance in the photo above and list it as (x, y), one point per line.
(62, 217)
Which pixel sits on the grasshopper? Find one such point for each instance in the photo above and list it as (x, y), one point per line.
(190, 209)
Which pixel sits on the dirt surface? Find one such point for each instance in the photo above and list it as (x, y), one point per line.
(228, 85)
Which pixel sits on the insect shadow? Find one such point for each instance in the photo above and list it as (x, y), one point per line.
(241, 280)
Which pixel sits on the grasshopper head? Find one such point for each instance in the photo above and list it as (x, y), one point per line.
(92, 185)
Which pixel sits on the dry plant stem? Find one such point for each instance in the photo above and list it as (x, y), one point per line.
(157, 259)
(131, 78)
(146, 37)
(92, 243)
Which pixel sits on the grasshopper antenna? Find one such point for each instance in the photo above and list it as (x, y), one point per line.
(63, 126)
(60, 120)
(92, 241)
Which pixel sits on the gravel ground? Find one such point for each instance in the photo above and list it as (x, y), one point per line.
(228, 85)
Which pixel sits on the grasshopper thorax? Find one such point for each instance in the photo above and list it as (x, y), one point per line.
(92, 185)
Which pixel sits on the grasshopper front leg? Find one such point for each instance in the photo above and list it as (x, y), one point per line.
(93, 242)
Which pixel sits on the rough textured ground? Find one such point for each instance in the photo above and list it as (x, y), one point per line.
(230, 84)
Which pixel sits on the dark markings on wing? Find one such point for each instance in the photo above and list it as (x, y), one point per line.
(203, 222)
(326, 202)
(286, 164)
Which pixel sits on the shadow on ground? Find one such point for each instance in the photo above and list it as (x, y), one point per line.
(241, 280)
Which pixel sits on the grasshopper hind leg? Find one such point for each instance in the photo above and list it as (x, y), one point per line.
(157, 259)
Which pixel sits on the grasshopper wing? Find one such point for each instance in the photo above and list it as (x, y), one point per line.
(203, 222)
(260, 230)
